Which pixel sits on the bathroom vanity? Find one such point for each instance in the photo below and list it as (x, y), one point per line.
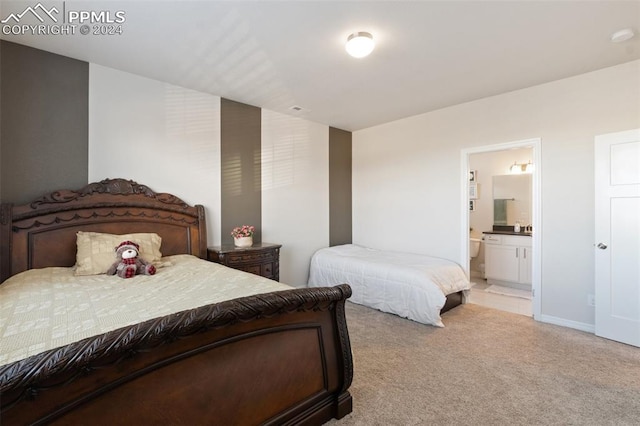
(507, 254)
(508, 259)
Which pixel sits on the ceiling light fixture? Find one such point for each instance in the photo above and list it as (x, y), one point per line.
(360, 44)
(622, 35)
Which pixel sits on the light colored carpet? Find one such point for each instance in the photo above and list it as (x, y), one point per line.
(487, 367)
(508, 291)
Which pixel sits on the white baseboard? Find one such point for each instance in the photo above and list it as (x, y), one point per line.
(589, 328)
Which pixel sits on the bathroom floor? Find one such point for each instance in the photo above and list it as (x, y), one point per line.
(479, 296)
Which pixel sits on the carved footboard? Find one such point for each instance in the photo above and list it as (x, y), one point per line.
(277, 358)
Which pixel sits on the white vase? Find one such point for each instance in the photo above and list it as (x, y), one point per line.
(243, 241)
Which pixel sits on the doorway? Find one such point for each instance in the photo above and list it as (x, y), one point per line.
(477, 200)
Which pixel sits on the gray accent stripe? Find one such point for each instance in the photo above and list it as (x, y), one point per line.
(241, 169)
(44, 122)
(339, 187)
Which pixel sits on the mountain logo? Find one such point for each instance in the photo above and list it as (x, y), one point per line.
(38, 11)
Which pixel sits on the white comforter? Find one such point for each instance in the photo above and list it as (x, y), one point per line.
(43, 309)
(409, 285)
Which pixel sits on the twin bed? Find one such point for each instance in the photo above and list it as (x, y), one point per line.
(197, 343)
(413, 286)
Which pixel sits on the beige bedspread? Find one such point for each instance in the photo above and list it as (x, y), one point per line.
(43, 309)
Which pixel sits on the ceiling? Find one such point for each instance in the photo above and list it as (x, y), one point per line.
(279, 54)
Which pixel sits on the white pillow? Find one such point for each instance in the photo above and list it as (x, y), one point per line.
(96, 251)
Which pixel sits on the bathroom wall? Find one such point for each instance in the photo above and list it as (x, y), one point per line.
(487, 165)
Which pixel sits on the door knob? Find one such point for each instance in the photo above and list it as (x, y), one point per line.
(602, 246)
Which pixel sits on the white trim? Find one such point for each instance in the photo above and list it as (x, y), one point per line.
(589, 328)
(536, 240)
(464, 202)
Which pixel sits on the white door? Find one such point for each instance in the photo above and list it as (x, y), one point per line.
(617, 245)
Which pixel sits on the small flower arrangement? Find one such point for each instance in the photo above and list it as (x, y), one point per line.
(243, 231)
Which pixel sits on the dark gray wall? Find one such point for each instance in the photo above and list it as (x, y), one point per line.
(44, 101)
(241, 169)
(339, 187)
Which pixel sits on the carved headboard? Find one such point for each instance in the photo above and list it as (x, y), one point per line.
(43, 232)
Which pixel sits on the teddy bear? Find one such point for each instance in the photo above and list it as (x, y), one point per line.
(128, 263)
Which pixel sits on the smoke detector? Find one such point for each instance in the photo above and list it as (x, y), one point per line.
(622, 35)
(297, 108)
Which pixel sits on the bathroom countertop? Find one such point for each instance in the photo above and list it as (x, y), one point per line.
(522, 233)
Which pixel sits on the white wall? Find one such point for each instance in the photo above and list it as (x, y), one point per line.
(295, 191)
(406, 175)
(168, 138)
(159, 135)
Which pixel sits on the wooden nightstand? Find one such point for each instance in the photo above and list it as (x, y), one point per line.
(261, 258)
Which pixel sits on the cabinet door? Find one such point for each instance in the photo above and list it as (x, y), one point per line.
(501, 262)
(525, 265)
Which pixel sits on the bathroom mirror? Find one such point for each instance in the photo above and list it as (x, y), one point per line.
(512, 199)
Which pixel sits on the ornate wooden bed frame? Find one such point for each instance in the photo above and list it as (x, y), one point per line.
(275, 358)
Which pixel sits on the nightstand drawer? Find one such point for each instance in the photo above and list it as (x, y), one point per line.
(249, 257)
(260, 259)
(266, 270)
(254, 269)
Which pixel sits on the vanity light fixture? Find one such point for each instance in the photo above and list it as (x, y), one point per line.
(518, 168)
(360, 44)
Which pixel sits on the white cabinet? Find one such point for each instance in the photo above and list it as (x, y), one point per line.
(507, 259)
(524, 257)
